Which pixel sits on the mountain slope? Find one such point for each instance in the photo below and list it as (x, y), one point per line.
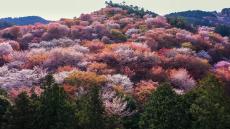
(28, 20)
(4, 24)
(203, 18)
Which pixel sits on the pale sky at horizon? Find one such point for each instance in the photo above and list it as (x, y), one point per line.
(56, 9)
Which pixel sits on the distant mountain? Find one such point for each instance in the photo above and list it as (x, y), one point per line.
(28, 20)
(198, 17)
(4, 24)
(226, 12)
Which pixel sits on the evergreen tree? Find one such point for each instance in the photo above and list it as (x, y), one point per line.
(131, 9)
(90, 110)
(210, 108)
(48, 82)
(131, 122)
(181, 22)
(3, 93)
(164, 111)
(4, 106)
(20, 116)
(224, 30)
(55, 110)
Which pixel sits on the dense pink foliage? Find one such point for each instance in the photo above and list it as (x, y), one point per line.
(28, 90)
(135, 54)
(222, 70)
(55, 30)
(181, 79)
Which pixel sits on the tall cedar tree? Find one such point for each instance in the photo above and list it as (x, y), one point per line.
(4, 106)
(90, 110)
(20, 115)
(55, 110)
(210, 107)
(164, 111)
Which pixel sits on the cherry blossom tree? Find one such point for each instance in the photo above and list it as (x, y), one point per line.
(10, 78)
(181, 79)
(55, 31)
(120, 83)
(5, 49)
(114, 105)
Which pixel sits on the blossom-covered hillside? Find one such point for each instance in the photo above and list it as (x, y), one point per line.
(125, 54)
(109, 42)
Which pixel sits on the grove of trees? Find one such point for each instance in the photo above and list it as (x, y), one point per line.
(120, 67)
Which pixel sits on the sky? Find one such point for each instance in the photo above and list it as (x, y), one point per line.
(56, 9)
